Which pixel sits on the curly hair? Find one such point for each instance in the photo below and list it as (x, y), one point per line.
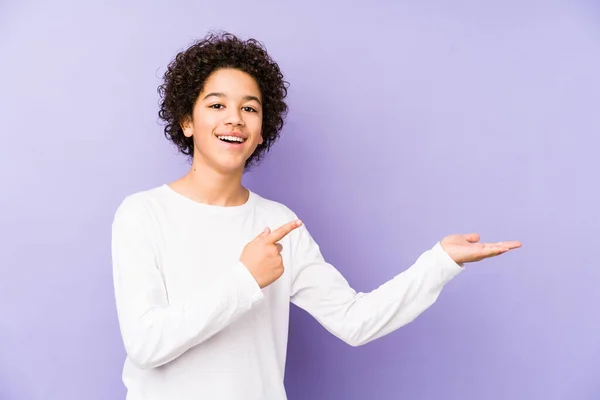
(186, 74)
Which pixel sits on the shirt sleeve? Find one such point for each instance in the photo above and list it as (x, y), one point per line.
(154, 331)
(358, 318)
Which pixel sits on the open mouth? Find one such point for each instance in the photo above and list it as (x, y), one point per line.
(231, 139)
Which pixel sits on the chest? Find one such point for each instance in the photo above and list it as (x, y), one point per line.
(195, 251)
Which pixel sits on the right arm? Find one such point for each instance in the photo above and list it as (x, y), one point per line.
(154, 331)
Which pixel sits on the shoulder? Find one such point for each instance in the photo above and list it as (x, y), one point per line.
(274, 208)
(139, 205)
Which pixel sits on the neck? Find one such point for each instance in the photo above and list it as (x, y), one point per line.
(209, 186)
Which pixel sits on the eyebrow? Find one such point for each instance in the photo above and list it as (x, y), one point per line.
(219, 94)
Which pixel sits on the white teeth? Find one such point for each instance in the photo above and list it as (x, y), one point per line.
(231, 138)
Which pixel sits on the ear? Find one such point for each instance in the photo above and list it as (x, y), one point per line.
(261, 139)
(186, 126)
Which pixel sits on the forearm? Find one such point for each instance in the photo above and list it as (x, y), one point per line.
(358, 318)
(155, 333)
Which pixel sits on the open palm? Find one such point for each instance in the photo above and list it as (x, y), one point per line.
(466, 248)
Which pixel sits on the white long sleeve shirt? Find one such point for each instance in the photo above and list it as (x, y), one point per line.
(196, 325)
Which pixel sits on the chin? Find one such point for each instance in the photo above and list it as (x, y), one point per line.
(224, 163)
(232, 166)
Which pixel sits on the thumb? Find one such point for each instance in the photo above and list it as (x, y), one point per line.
(265, 232)
(471, 237)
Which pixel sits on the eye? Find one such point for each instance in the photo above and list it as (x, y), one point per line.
(249, 109)
(216, 106)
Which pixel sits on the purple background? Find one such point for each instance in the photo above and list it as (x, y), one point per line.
(408, 122)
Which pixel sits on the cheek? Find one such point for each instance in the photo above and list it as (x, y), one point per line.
(205, 124)
(256, 126)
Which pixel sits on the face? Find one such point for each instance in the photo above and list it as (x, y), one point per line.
(227, 121)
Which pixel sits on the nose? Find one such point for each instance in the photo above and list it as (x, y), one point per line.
(234, 117)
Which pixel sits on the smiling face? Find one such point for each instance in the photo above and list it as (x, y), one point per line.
(226, 122)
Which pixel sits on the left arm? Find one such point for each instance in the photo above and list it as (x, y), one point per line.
(358, 318)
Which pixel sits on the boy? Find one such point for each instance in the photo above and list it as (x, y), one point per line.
(204, 269)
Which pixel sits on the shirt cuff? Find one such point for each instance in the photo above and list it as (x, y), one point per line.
(446, 265)
(249, 288)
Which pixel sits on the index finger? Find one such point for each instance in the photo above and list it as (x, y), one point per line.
(510, 244)
(283, 230)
